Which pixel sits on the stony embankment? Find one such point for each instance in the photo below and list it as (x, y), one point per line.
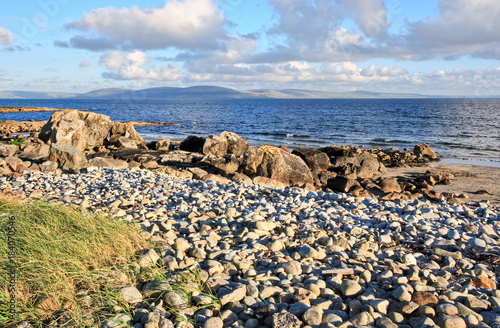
(290, 257)
(73, 140)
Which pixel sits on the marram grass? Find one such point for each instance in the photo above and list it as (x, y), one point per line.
(57, 251)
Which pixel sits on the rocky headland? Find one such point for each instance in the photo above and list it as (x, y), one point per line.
(309, 238)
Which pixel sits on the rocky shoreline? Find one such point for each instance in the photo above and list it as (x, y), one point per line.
(304, 239)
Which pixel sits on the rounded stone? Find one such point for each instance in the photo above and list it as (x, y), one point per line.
(350, 288)
(213, 322)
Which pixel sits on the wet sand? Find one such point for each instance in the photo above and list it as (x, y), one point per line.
(468, 179)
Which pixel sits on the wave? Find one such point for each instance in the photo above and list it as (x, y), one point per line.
(284, 135)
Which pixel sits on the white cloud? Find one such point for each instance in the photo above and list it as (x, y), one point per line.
(6, 37)
(463, 27)
(85, 63)
(129, 66)
(188, 24)
(370, 15)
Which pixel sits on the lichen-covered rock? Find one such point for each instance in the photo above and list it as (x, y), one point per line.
(424, 150)
(80, 129)
(236, 145)
(67, 157)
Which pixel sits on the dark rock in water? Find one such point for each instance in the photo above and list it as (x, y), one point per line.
(424, 150)
(67, 157)
(342, 184)
(316, 160)
(193, 144)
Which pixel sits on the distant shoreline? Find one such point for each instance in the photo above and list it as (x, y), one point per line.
(23, 109)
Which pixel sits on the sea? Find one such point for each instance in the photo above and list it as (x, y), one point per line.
(459, 130)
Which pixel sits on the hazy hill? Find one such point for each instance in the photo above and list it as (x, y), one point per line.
(204, 92)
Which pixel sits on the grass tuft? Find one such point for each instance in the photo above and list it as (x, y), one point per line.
(58, 253)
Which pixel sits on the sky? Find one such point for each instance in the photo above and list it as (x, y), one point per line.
(433, 47)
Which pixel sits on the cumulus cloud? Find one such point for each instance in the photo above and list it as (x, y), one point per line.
(370, 15)
(463, 27)
(6, 37)
(130, 66)
(188, 24)
(85, 63)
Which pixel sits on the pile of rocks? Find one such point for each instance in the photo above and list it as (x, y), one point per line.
(73, 140)
(289, 257)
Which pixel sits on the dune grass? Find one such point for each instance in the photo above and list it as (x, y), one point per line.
(58, 252)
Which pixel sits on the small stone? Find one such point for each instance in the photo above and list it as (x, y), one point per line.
(175, 300)
(422, 322)
(350, 288)
(131, 295)
(148, 258)
(424, 298)
(362, 319)
(292, 267)
(234, 292)
(449, 309)
(409, 259)
(313, 316)
(214, 322)
(483, 281)
(285, 320)
(450, 321)
(120, 320)
(401, 294)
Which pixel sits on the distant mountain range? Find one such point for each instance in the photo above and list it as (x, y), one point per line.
(205, 92)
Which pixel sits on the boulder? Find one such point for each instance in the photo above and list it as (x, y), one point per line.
(108, 162)
(252, 159)
(389, 185)
(67, 157)
(424, 150)
(192, 144)
(215, 145)
(121, 131)
(343, 184)
(236, 145)
(124, 142)
(162, 144)
(363, 166)
(316, 160)
(79, 129)
(7, 150)
(279, 165)
(15, 164)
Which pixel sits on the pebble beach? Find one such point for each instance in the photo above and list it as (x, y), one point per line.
(295, 258)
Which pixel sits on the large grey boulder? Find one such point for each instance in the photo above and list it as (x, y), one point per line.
(215, 145)
(277, 164)
(236, 145)
(67, 157)
(80, 129)
(124, 135)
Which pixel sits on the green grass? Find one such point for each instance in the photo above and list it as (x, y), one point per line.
(18, 142)
(59, 252)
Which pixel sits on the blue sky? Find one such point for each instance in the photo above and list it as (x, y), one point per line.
(449, 47)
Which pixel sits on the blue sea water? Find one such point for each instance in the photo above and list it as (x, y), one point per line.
(463, 129)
